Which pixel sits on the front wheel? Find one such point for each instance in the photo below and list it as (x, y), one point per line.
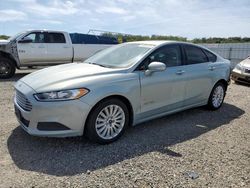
(217, 96)
(107, 121)
(7, 68)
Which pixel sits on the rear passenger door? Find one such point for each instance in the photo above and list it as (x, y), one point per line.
(199, 74)
(59, 49)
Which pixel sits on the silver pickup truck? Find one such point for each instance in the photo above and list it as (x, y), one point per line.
(44, 47)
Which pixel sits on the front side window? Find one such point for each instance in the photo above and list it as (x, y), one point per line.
(56, 38)
(170, 55)
(195, 55)
(36, 37)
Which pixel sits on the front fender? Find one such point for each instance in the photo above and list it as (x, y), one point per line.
(127, 88)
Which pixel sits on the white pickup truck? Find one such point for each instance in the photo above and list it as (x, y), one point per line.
(43, 48)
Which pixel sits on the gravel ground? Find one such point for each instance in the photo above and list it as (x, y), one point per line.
(212, 147)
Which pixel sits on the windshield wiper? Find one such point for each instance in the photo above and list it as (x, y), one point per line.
(106, 66)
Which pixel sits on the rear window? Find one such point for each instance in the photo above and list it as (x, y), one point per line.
(211, 56)
(56, 38)
(195, 55)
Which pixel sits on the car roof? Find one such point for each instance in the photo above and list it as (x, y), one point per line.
(44, 30)
(160, 42)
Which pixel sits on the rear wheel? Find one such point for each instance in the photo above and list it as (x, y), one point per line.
(7, 68)
(217, 96)
(107, 121)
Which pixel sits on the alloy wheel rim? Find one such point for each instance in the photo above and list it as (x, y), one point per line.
(110, 122)
(4, 68)
(218, 96)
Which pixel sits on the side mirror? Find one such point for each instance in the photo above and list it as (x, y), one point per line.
(25, 40)
(155, 67)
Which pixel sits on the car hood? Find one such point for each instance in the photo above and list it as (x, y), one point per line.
(2, 42)
(64, 76)
(246, 63)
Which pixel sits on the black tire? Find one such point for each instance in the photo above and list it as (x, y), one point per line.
(210, 103)
(90, 130)
(7, 68)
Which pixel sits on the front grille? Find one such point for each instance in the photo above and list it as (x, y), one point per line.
(22, 101)
(247, 71)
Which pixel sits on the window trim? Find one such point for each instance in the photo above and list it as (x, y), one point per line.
(138, 68)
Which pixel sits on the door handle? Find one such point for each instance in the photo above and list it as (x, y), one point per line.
(212, 68)
(41, 47)
(66, 47)
(180, 72)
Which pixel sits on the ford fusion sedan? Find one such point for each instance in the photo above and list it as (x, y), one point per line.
(241, 72)
(120, 86)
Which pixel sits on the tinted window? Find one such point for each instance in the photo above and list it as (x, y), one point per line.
(56, 38)
(36, 37)
(170, 55)
(195, 55)
(211, 57)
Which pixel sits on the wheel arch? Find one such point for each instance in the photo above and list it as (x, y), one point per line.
(9, 56)
(224, 82)
(119, 97)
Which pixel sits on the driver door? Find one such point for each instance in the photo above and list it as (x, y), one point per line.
(162, 91)
(35, 51)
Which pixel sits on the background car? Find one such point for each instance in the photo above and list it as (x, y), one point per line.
(120, 86)
(241, 72)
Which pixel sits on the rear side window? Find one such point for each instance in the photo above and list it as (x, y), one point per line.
(211, 56)
(56, 38)
(195, 55)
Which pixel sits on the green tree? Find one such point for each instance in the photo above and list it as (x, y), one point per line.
(5, 37)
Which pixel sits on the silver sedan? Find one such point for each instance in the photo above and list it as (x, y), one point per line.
(120, 86)
(241, 72)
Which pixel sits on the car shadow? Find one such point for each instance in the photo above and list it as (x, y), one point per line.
(16, 77)
(242, 84)
(71, 156)
(21, 73)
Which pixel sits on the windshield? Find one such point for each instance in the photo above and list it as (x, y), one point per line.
(119, 56)
(15, 36)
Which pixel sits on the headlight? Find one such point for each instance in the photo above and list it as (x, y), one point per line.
(61, 95)
(238, 67)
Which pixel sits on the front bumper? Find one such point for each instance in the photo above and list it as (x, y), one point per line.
(240, 77)
(52, 119)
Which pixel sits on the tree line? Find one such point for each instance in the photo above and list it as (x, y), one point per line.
(129, 38)
(5, 37)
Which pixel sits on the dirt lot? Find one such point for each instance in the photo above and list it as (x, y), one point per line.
(215, 146)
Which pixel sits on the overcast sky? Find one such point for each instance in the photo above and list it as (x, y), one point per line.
(187, 18)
